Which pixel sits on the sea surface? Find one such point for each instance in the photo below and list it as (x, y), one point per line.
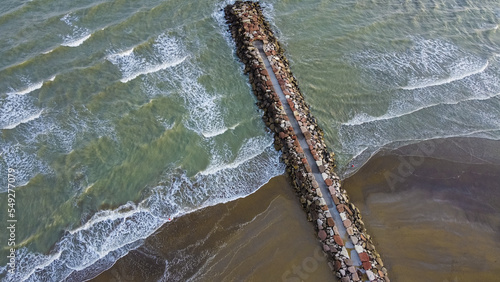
(120, 117)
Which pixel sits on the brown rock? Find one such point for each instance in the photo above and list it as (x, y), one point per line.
(381, 274)
(347, 223)
(338, 240)
(324, 207)
(350, 231)
(282, 135)
(328, 182)
(322, 235)
(348, 262)
(351, 269)
(348, 210)
(299, 150)
(367, 265)
(340, 207)
(337, 265)
(335, 199)
(364, 257)
(355, 277)
(330, 222)
(308, 167)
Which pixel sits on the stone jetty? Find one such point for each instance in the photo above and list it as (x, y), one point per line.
(311, 167)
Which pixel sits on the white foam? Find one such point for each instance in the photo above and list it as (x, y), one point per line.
(114, 232)
(153, 69)
(76, 42)
(29, 89)
(215, 133)
(168, 52)
(435, 82)
(25, 120)
(48, 52)
(79, 34)
(219, 131)
(32, 87)
(365, 118)
(424, 63)
(251, 149)
(126, 52)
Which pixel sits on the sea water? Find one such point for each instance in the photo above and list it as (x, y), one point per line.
(119, 116)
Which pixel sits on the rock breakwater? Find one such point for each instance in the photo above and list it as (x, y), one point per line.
(311, 167)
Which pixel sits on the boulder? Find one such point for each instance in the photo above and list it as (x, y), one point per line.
(350, 231)
(322, 235)
(338, 240)
(347, 223)
(364, 257)
(367, 265)
(326, 248)
(330, 222)
(337, 265)
(370, 275)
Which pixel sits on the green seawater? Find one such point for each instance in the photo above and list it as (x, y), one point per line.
(120, 115)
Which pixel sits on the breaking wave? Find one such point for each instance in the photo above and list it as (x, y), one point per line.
(109, 234)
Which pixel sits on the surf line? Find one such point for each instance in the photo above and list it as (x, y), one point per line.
(350, 251)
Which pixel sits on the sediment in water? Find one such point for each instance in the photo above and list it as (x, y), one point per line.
(338, 222)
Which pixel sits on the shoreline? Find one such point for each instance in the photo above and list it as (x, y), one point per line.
(253, 223)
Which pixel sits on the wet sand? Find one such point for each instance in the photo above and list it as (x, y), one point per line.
(441, 222)
(263, 237)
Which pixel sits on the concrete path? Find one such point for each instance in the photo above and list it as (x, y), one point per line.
(312, 163)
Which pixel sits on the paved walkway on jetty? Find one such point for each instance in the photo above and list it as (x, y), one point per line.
(309, 156)
(350, 250)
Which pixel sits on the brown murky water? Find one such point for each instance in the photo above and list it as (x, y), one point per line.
(263, 237)
(435, 216)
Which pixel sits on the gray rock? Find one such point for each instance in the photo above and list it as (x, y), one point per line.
(354, 240)
(370, 275)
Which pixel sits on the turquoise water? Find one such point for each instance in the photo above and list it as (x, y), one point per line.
(118, 116)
